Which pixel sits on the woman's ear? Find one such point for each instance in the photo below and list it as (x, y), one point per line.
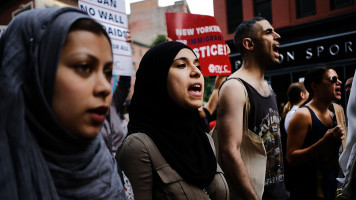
(302, 95)
(248, 43)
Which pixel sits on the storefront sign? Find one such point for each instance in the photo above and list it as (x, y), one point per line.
(319, 50)
(325, 49)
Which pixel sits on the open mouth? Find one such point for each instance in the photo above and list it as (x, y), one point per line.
(195, 90)
(102, 110)
(275, 49)
(98, 114)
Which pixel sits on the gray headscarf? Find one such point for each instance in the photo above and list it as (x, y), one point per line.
(39, 159)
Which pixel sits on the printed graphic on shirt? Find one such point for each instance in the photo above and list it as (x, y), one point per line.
(269, 131)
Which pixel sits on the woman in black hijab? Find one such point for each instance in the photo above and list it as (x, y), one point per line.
(55, 92)
(167, 154)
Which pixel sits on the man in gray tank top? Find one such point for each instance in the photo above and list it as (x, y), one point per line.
(258, 44)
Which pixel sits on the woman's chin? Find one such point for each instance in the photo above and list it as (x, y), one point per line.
(88, 133)
(194, 106)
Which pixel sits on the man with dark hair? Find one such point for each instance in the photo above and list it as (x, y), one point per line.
(258, 44)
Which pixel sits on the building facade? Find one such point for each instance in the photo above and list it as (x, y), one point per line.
(314, 32)
(147, 20)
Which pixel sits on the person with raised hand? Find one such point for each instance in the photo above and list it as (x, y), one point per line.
(314, 138)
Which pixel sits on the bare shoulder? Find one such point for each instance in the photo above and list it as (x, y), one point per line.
(229, 121)
(302, 112)
(232, 90)
(301, 117)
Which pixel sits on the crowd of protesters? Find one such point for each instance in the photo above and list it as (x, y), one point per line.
(62, 136)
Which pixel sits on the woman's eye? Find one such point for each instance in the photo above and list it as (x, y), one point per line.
(181, 65)
(108, 75)
(84, 68)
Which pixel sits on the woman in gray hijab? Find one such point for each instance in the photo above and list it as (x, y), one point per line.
(55, 71)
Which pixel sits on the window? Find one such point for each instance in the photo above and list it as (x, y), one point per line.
(234, 14)
(305, 8)
(335, 4)
(263, 9)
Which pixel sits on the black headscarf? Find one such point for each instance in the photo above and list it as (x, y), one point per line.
(39, 159)
(178, 133)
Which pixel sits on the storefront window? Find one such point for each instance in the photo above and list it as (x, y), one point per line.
(234, 14)
(305, 8)
(335, 4)
(263, 9)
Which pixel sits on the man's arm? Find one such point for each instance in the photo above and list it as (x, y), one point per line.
(230, 129)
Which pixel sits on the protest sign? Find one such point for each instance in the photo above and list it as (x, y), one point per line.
(203, 35)
(112, 15)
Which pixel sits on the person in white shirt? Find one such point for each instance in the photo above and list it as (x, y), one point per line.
(297, 96)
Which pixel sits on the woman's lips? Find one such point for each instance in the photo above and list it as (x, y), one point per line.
(97, 118)
(98, 114)
(195, 93)
(195, 90)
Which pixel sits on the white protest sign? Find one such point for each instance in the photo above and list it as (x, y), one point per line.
(112, 15)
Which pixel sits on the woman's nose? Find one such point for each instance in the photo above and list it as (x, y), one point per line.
(195, 72)
(102, 85)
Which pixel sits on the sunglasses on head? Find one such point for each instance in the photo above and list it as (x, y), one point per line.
(333, 79)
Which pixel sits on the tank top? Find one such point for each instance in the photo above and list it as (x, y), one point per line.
(317, 177)
(263, 119)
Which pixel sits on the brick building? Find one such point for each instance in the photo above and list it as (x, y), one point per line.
(313, 32)
(147, 19)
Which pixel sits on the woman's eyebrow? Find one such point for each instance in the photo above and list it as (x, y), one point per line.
(186, 59)
(181, 58)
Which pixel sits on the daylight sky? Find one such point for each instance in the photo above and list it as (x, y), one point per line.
(202, 7)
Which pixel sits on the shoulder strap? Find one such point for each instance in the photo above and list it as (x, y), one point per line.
(245, 124)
